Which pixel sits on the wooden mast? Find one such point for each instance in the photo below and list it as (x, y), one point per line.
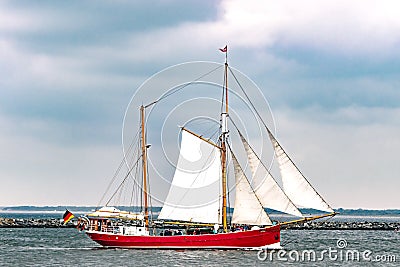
(144, 163)
(224, 205)
(223, 145)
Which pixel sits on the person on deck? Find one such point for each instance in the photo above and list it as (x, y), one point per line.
(178, 232)
(216, 227)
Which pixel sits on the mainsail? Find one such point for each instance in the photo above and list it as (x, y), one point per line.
(295, 185)
(195, 189)
(267, 189)
(247, 209)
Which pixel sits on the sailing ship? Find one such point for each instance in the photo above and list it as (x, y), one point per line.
(181, 224)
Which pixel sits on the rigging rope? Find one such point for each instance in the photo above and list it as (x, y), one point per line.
(271, 135)
(177, 89)
(126, 176)
(248, 99)
(117, 171)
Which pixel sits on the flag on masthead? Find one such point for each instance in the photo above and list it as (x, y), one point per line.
(224, 50)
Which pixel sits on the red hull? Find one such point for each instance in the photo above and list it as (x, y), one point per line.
(244, 239)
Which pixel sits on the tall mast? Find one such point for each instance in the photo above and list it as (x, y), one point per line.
(224, 122)
(226, 84)
(144, 163)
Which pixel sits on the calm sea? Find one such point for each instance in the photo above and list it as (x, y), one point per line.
(68, 247)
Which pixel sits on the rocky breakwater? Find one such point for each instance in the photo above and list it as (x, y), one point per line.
(32, 223)
(332, 225)
(313, 225)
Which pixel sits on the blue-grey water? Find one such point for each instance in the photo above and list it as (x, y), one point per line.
(68, 247)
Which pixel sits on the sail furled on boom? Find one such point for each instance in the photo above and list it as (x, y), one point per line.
(295, 185)
(268, 191)
(247, 209)
(195, 188)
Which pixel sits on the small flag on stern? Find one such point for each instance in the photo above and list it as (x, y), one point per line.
(224, 50)
(67, 216)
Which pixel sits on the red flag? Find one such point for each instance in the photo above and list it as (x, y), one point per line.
(224, 50)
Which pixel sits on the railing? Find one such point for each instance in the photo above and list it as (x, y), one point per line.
(125, 230)
(107, 229)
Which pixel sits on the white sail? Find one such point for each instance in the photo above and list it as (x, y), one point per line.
(295, 185)
(195, 189)
(247, 209)
(267, 189)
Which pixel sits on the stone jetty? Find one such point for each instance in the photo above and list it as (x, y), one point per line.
(334, 225)
(313, 225)
(33, 223)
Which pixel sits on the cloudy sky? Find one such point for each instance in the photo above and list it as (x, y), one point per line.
(329, 69)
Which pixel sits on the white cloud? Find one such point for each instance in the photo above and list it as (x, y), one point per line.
(350, 27)
(357, 27)
(14, 20)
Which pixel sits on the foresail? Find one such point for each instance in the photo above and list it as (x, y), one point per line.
(295, 185)
(267, 189)
(195, 188)
(247, 209)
